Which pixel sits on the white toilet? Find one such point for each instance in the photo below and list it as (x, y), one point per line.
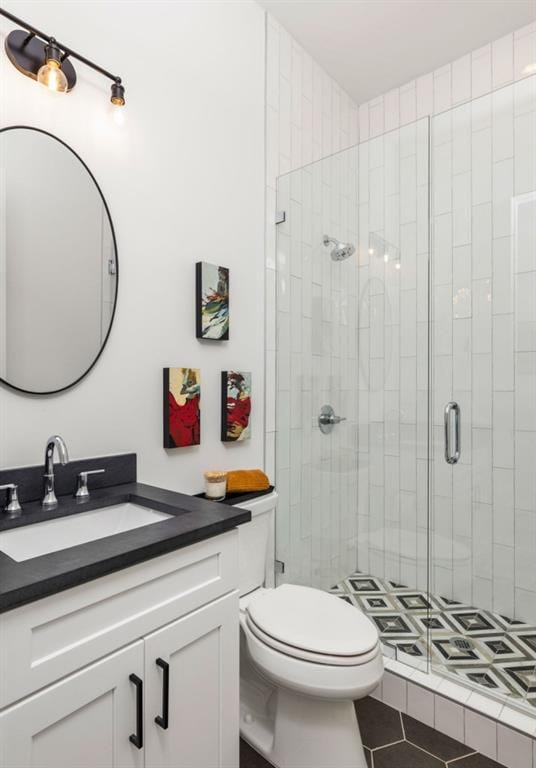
(305, 657)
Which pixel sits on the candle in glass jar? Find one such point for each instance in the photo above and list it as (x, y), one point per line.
(215, 485)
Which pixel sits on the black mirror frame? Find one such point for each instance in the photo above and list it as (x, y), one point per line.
(105, 204)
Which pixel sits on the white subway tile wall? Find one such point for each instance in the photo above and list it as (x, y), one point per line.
(421, 704)
(393, 355)
(316, 365)
(308, 116)
(484, 324)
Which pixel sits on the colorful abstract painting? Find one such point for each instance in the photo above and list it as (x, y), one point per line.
(182, 414)
(236, 405)
(212, 301)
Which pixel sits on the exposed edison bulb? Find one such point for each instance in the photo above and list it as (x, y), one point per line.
(51, 74)
(118, 115)
(386, 257)
(397, 265)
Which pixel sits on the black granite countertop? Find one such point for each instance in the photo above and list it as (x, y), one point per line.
(240, 498)
(193, 520)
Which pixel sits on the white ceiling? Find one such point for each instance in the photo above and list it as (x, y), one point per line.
(371, 46)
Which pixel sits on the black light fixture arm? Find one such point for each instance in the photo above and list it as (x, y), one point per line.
(67, 52)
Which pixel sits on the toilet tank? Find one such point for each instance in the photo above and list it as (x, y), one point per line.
(256, 544)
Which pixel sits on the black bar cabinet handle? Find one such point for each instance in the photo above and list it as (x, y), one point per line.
(137, 738)
(163, 719)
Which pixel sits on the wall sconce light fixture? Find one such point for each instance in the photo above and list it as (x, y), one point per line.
(41, 57)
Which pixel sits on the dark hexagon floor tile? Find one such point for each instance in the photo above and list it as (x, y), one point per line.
(378, 723)
(439, 745)
(404, 755)
(475, 761)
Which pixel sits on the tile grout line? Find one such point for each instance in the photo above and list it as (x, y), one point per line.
(383, 746)
(457, 759)
(401, 718)
(462, 757)
(452, 762)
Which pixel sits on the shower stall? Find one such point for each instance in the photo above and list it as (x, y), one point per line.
(406, 387)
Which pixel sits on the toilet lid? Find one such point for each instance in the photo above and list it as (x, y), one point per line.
(313, 621)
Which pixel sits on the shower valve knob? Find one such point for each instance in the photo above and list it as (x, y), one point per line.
(327, 419)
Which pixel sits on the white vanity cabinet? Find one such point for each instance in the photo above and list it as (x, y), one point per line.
(163, 694)
(202, 718)
(84, 721)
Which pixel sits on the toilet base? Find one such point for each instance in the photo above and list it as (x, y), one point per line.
(295, 731)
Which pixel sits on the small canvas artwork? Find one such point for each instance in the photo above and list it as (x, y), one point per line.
(182, 413)
(236, 406)
(212, 302)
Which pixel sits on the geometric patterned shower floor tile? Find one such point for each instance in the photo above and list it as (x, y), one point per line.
(490, 652)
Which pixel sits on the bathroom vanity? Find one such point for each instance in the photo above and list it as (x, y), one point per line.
(121, 650)
(119, 615)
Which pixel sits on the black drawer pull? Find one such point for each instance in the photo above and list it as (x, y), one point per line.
(137, 738)
(163, 719)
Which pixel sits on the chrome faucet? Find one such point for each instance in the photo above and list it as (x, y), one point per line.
(49, 497)
(12, 507)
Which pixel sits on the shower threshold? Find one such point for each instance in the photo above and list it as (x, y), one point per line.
(483, 650)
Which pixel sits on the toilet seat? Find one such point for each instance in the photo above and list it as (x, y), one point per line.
(303, 655)
(312, 626)
(331, 681)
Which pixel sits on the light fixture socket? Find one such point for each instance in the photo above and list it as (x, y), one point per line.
(118, 94)
(52, 52)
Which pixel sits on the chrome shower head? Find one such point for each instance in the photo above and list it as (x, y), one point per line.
(340, 251)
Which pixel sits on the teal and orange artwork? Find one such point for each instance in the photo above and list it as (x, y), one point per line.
(212, 302)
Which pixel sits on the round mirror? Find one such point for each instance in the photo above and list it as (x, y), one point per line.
(58, 263)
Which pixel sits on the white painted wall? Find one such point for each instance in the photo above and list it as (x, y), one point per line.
(184, 180)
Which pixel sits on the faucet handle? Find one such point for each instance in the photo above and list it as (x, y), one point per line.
(82, 491)
(13, 507)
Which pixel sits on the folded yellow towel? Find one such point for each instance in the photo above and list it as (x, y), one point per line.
(247, 481)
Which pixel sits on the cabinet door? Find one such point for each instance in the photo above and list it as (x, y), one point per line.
(202, 725)
(83, 721)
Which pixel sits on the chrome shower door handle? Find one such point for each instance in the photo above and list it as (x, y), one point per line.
(452, 433)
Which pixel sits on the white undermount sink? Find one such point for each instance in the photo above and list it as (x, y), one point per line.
(53, 535)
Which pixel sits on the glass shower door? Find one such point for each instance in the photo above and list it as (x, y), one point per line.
(483, 480)
(316, 368)
(352, 334)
